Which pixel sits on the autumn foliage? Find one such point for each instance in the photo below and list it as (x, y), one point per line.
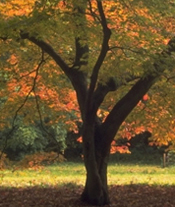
(98, 63)
(39, 160)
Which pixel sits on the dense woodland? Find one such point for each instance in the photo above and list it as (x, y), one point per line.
(81, 75)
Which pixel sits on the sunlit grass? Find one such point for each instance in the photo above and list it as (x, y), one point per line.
(48, 176)
(140, 174)
(122, 174)
(69, 172)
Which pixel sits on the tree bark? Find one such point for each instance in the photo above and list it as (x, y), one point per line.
(96, 162)
(96, 189)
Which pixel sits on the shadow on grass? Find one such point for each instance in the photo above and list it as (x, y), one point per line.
(69, 194)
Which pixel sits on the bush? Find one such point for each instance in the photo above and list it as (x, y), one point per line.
(27, 139)
(4, 161)
(40, 159)
(171, 157)
(57, 137)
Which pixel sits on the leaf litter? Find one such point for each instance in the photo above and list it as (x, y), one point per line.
(69, 196)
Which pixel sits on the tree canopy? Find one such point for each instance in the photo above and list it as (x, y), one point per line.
(110, 52)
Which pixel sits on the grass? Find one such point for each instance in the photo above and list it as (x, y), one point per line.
(140, 174)
(61, 185)
(60, 174)
(69, 172)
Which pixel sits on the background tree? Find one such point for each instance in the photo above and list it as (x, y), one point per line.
(101, 47)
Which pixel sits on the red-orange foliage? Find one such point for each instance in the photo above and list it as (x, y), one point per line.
(39, 160)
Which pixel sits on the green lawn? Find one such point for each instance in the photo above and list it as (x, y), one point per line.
(69, 172)
(140, 174)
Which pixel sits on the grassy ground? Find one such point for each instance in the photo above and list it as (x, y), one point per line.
(69, 172)
(61, 185)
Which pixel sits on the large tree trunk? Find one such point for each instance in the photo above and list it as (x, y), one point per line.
(96, 161)
(96, 190)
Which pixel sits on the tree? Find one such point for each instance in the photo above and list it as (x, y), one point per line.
(102, 47)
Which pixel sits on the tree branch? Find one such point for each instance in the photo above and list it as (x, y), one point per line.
(124, 106)
(79, 19)
(41, 121)
(23, 104)
(99, 62)
(124, 48)
(92, 13)
(48, 49)
(111, 85)
(102, 90)
(32, 89)
(77, 77)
